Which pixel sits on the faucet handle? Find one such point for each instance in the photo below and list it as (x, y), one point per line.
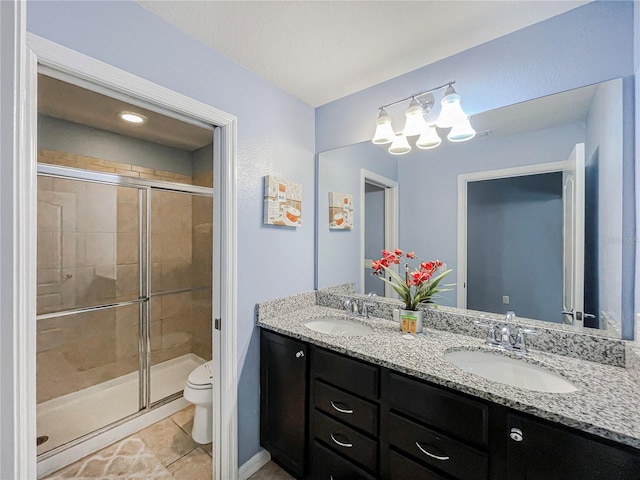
(492, 336)
(520, 343)
(351, 306)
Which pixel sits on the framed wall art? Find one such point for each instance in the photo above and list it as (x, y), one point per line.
(340, 211)
(282, 202)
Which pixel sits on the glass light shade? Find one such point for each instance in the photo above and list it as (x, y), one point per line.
(451, 113)
(400, 145)
(384, 130)
(461, 132)
(429, 138)
(415, 123)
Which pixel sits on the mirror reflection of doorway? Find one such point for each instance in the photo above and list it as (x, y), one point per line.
(379, 200)
(374, 229)
(526, 244)
(515, 245)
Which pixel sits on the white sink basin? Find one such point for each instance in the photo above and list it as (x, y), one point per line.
(341, 328)
(510, 371)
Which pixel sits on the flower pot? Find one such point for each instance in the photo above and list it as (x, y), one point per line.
(411, 317)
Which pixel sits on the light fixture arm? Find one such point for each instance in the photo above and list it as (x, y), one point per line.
(415, 95)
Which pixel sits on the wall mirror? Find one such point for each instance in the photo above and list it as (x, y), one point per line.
(505, 210)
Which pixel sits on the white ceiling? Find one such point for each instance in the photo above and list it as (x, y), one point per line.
(320, 51)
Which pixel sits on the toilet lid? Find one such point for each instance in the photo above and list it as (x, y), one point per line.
(201, 375)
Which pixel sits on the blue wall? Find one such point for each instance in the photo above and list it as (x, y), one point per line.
(338, 256)
(514, 234)
(275, 136)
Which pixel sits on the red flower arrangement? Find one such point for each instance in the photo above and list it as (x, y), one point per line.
(419, 284)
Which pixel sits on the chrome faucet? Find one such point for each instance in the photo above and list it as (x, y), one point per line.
(502, 337)
(352, 308)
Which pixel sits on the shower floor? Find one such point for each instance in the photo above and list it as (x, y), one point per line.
(71, 416)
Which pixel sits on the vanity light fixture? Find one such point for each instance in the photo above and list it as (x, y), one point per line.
(451, 116)
(132, 117)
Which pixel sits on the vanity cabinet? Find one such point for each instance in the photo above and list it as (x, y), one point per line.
(283, 400)
(344, 413)
(539, 450)
(327, 416)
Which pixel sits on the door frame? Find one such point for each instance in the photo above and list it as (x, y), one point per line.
(463, 181)
(390, 216)
(31, 51)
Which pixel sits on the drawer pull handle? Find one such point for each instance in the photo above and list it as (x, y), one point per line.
(432, 455)
(338, 409)
(342, 444)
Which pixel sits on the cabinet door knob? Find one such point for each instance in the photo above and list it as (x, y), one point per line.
(299, 354)
(516, 435)
(432, 455)
(338, 409)
(342, 444)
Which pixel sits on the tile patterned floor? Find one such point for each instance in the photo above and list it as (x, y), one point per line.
(163, 451)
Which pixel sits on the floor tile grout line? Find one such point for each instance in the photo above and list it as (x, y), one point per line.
(182, 456)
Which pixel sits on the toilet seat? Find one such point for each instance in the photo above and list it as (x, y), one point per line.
(200, 378)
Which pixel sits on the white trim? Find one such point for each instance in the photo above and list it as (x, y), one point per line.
(225, 379)
(390, 215)
(17, 247)
(254, 464)
(463, 180)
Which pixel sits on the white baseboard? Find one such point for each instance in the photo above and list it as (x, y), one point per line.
(254, 464)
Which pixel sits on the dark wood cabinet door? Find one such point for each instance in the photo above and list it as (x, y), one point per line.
(540, 451)
(283, 400)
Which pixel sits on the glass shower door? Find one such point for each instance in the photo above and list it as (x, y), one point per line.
(89, 307)
(181, 245)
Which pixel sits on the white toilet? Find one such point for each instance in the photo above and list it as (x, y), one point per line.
(199, 391)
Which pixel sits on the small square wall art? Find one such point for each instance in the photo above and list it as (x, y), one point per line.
(340, 211)
(282, 202)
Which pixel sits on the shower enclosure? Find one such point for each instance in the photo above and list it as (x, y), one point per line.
(124, 289)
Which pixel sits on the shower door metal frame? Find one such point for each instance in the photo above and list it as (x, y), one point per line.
(145, 188)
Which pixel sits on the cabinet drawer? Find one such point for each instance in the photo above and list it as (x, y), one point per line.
(441, 452)
(345, 407)
(348, 442)
(448, 412)
(401, 468)
(327, 465)
(353, 375)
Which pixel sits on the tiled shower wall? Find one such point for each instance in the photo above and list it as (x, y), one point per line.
(88, 255)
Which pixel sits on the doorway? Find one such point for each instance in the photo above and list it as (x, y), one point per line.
(44, 55)
(379, 229)
(535, 188)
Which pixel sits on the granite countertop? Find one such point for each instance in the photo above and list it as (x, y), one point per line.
(607, 402)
